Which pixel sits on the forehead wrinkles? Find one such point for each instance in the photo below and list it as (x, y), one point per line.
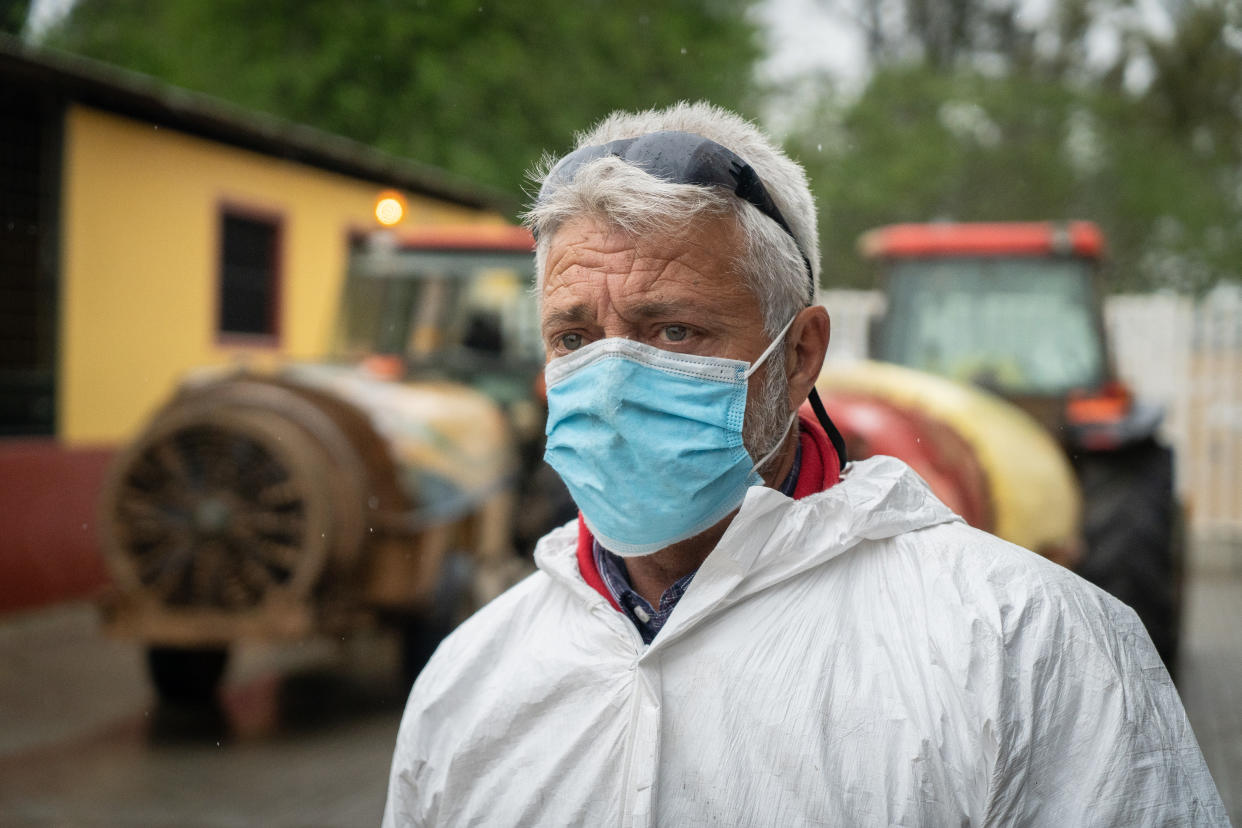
(582, 264)
(583, 248)
(583, 293)
(624, 289)
(705, 253)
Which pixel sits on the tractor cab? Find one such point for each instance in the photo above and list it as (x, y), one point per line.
(1013, 308)
(444, 303)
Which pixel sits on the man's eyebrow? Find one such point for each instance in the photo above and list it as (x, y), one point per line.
(582, 313)
(658, 310)
(574, 314)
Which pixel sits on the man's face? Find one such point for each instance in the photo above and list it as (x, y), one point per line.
(676, 293)
(681, 293)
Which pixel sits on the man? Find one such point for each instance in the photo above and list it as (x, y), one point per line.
(736, 631)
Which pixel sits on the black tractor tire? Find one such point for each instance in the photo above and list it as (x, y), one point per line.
(185, 676)
(1134, 536)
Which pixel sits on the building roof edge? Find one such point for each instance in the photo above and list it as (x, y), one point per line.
(133, 94)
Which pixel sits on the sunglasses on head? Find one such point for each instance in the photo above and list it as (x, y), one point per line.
(681, 158)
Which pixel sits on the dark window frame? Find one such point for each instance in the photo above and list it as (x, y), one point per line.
(275, 318)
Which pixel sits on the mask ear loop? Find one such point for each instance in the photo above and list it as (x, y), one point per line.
(834, 435)
(767, 352)
(779, 442)
(777, 340)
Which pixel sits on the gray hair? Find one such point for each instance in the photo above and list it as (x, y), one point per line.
(637, 203)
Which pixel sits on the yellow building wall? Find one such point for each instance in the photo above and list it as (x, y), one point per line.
(139, 266)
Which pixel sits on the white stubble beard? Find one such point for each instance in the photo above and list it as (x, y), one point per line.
(767, 412)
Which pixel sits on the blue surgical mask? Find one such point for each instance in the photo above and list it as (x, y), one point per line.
(649, 442)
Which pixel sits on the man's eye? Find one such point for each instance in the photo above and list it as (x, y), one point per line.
(675, 333)
(571, 341)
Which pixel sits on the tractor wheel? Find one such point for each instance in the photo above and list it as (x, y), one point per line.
(186, 676)
(1133, 534)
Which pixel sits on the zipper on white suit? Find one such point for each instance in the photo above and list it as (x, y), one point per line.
(643, 755)
(643, 745)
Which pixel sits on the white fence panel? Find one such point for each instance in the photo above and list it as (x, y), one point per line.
(1150, 337)
(1188, 357)
(851, 312)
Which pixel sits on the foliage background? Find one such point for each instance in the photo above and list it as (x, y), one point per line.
(968, 109)
(985, 110)
(478, 87)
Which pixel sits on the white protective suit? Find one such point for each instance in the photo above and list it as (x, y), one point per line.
(857, 657)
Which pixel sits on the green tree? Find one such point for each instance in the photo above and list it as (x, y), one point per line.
(1196, 87)
(969, 114)
(480, 88)
(13, 15)
(955, 34)
(920, 145)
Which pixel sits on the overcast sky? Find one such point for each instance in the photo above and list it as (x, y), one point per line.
(805, 36)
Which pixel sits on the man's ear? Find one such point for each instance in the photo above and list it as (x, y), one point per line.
(804, 352)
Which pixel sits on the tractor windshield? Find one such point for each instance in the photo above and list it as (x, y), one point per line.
(436, 306)
(463, 315)
(1020, 326)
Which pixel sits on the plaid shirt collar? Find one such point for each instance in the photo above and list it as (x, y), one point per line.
(647, 619)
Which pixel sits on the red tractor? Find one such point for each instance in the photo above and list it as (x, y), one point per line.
(1015, 309)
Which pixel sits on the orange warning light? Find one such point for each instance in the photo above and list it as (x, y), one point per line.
(389, 208)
